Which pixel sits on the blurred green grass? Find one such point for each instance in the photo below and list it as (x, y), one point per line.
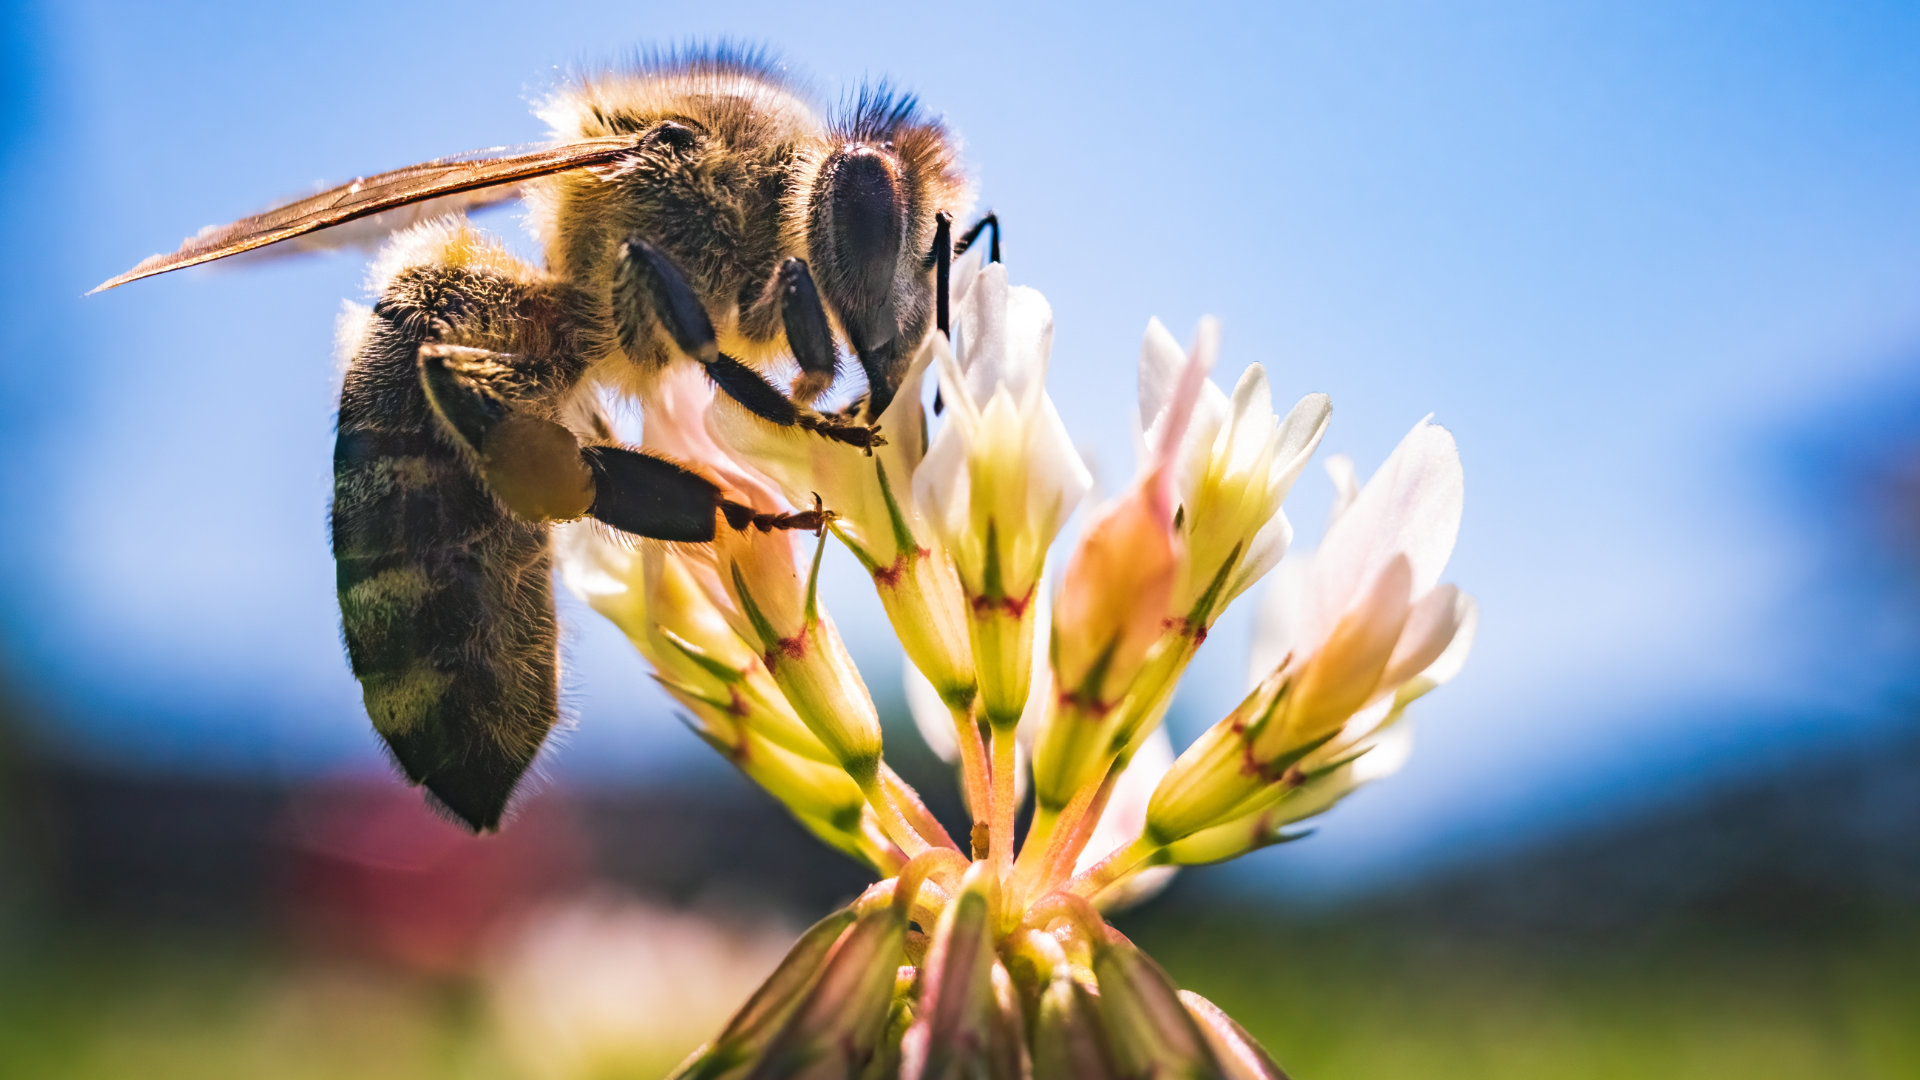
(1356, 1001)
(1339, 1000)
(193, 1008)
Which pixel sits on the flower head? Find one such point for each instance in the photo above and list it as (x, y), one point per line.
(977, 958)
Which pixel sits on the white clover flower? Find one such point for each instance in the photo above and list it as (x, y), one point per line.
(1360, 630)
(1012, 971)
(1238, 459)
(1000, 476)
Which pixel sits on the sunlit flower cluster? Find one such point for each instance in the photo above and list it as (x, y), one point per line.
(989, 956)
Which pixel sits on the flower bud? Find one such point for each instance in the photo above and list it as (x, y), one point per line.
(1069, 1040)
(836, 1029)
(957, 1000)
(1149, 1029)
(775, 607)
(1216, 773)
(1240, 1057)
(1000, 477)
(750, 1030)
(876, 516)
(819, 794)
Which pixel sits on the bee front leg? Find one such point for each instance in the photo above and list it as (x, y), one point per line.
(647, 283)
(809, 335)
(990, 224)
(541, 472)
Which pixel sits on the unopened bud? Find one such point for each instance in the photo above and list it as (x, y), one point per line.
(1148, 1027)
(957, 1003)
(1069, 1040)
(1240, 1057)
(781, 612)
(836, 1029)
(760, 1019)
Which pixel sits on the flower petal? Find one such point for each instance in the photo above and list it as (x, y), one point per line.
(1161, 360)
(1410, 509)
(1300, 434)
(1430, 628)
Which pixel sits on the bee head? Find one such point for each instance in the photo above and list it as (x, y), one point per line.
(870, 228)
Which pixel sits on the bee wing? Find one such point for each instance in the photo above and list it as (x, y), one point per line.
(369, 232)
(466, 181)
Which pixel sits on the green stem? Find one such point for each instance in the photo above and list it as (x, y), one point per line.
(1113, 869)
(1001, 802)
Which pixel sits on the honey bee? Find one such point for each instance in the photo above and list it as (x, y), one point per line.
(696, 208)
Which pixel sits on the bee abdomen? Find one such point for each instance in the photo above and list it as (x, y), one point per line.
(445, 597)
(446, 604)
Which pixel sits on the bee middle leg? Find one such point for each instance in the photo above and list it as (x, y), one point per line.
(649, 288)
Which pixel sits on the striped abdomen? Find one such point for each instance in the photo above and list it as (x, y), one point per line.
(445, 598)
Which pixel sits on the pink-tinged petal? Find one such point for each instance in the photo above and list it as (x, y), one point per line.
(1343, 674)
(676, 421)
(1168, 438)
(1430, 628)
(1410, 509)
(1448, 665)
(1113, 598)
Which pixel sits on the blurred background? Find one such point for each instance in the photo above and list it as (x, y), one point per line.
(1656, 264)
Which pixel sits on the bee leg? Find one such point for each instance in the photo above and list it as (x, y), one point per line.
(653, 497)
(808, 334)
(942, 255)
(941, 259)
(991, 225)
(944, 252)
(646, 281)
(542, 473)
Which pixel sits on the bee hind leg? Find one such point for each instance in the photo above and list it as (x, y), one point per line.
(541, 472)
(646, 282)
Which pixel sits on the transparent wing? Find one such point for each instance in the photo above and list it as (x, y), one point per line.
(463, 182)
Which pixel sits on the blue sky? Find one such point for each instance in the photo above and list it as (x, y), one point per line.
(1627, 252)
